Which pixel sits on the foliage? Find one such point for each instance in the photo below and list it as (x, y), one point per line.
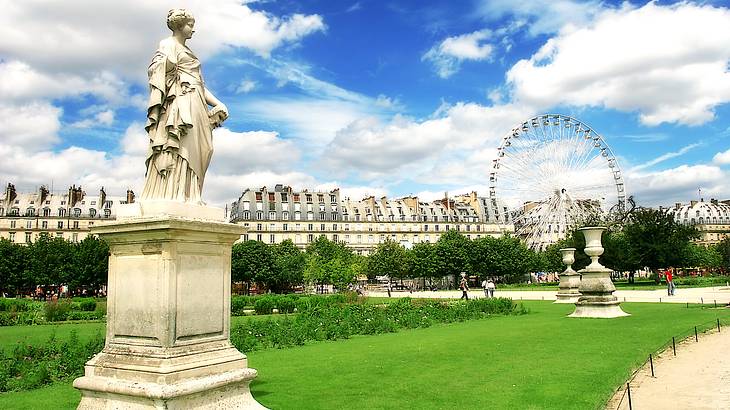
(700, 256)
(288, 266)
(389, 259)
(723, 249)
(422, 261)
(657, 238)
(452, 251)
(506, 257)
(341, 321)
(29, 367)
(91, 263)
(330, 263)
(56, 311)
(264, 305)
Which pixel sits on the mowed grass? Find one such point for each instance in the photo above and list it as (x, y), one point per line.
(38, 335)
(535, 361)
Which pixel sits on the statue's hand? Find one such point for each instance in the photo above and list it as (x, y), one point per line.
(217, 115)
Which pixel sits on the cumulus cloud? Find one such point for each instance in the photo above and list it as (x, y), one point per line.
(677, 184)
(722, 158)
(244, 152)
(669, 63)
(540, 16)
(33, 125)
(103, 118)
(449, 53)
(246, 86)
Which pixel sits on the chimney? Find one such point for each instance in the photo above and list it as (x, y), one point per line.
(130, 196)
(677, 205)
(102, 197)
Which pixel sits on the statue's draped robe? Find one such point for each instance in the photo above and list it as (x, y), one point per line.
(178, 126)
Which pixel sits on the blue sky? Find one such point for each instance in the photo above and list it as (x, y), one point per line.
(375, 97)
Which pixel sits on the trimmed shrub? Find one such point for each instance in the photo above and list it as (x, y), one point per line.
(264, 305)
(87, 305)
(285, 304)
(57, 311)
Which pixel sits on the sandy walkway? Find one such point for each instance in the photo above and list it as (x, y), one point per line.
(697, 378)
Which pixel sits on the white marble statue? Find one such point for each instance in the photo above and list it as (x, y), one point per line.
(179, 123)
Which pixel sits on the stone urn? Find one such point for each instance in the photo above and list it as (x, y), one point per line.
(569, 279)
(596, 288)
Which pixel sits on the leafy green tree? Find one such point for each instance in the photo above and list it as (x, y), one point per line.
(289, 263)
(657, 239)
(50, 261)
(697, 256)
(90, 263)
(453, 252)
(329, 263)
(389, 259)
(251, 261)
(422, 262)
(723, 249)
(12, 267)
(506, 257)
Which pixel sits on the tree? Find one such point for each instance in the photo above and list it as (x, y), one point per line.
(50, 261)
(697, 256)
(422, 261)
(329, 263)
(251, 261)
(453, 251)
(723, 249)
(12, 268)
(289, 265)
(657, 239)
(389, 259)
(506, 257)
(90, 263)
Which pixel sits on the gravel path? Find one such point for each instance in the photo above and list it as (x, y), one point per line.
(697, 378)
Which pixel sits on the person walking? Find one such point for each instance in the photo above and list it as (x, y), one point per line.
(490, 287)
(669, 276)
(484, 286)
(464, 286)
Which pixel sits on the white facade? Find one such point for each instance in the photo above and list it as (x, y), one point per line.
(712, 219)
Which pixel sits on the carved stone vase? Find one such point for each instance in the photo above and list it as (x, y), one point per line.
(569, 279)
(596, 288)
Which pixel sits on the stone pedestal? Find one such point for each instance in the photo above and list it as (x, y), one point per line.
(168, 318)
(596, 287)
(569, 279)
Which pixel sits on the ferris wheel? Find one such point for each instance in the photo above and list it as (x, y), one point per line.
(552, 172)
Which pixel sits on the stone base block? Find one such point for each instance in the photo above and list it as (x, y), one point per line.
(228, 390)
(567, 297)
(600, 310)
(160, 208)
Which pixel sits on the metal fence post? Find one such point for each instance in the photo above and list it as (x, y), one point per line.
(718, 325)
(674, 346)
(696, 339)
(628, 390)
(651, 364)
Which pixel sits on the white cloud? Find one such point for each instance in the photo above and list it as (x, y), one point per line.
(669, 63)
(448, 55)
(722, 158)
(237, 153)
(33, 125)
(665, 157)
(246, 86)
(678, 184)
(541, 16)
(103, 118)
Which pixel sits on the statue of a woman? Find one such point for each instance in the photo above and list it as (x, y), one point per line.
(179, 123)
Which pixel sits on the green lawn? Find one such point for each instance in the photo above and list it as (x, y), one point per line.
(39, 334)
(540, 360)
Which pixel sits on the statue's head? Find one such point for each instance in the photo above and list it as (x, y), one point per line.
(177, 18)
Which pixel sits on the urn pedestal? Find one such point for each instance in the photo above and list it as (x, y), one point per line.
(596, 288)
(168, 317)
(569, 279)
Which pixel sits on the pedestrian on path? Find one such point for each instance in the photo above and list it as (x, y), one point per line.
(490, 287)
(486, 289)
(669, 277)
(464, 286)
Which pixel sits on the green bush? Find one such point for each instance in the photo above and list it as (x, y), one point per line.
(19, 305)
(264, 305)
(57, 311)
(285, 304)
(29, 367)
(239, 304)
(88, 305)
(319, 321)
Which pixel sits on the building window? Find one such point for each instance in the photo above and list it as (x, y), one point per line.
(310, 238)
(259, 227)
(44, 225)
(297, 216)
(284, 197)
(59, 234)
(46, 211)
(29, 225)
(12, 224)
(30, 212)
(272, 215)
(107, 213)
(285, 215)
(12, 236)
(258, 237)
(259, 215)
(92, 212)
(60, 224)
(75, 237)
(285, 227)
(309, 199)
(322, 228)
(322, 216)
(271, 238)
(310, 216)
(335, 237)
(258, 196)
(61, 212)
(76, 224)
(246, 214)
(334, 227)
(27, 237)
(310, 227)
(77, 212)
